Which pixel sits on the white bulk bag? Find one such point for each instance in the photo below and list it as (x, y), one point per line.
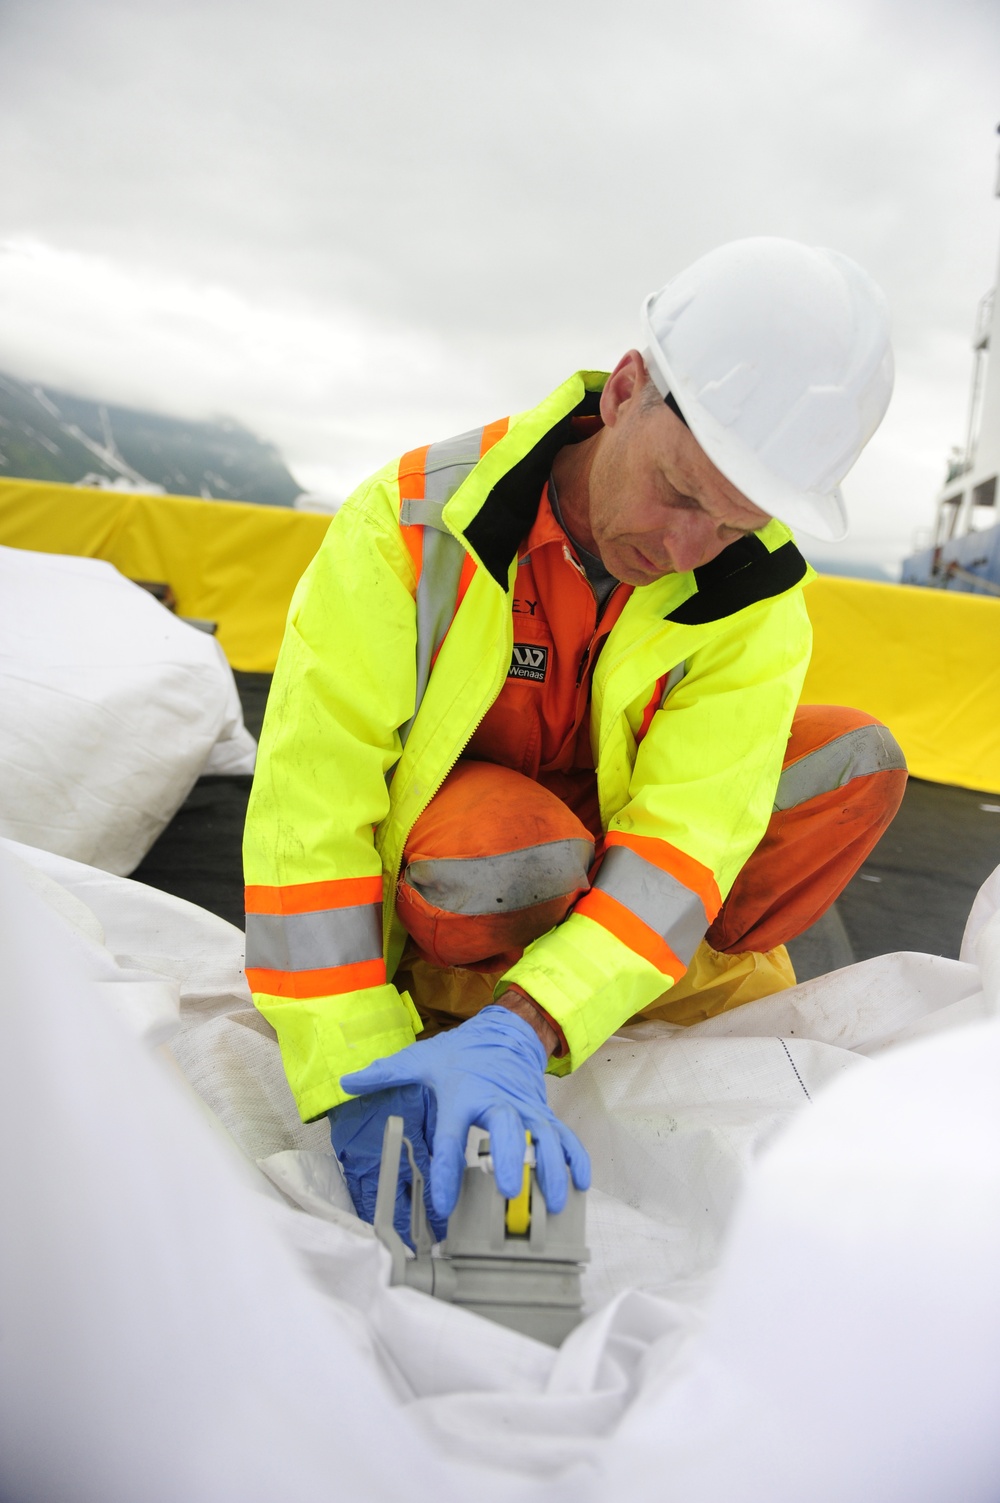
(111, 710)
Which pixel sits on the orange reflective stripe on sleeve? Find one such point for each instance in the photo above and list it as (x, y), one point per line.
(620, 921)
(665, 906)
(676, 863)
(657, 900)
(332, 981)
(311, 939)
(310, 897)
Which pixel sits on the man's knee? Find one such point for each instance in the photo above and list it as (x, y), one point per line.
(840, 787)
(493, 862)
(831, 747)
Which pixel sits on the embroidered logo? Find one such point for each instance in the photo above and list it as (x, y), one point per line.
(529, 662)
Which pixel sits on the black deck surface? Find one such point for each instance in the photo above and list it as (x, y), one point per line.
(914, 892)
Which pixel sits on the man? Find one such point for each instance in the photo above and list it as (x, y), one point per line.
(532, 745)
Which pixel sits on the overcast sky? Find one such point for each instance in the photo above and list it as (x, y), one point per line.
(360, 227)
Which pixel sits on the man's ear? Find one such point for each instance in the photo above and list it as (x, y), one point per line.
(625, 382)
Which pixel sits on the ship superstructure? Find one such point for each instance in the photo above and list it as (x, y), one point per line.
(965, 552)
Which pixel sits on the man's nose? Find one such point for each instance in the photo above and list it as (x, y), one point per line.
(696, 543)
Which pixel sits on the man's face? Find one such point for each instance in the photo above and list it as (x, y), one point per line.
(657, 503)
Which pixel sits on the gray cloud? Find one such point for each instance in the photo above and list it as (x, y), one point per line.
(498, 187)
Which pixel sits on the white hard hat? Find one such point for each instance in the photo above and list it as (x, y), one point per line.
(778, 356)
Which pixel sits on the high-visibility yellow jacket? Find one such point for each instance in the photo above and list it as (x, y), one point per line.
(399, 638)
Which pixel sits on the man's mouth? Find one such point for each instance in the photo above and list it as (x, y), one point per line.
(648, 565)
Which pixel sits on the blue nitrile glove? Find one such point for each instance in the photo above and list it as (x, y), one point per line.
(488, 1072)
(356, 1129)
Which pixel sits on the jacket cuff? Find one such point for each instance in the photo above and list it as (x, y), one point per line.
(562, 1048)
(588, 983)
(323, 1038)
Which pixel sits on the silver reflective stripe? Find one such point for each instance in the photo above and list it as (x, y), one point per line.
(447, 465)
(314, 941)
(504, 883)
(423, 514)
(673, 679)
(669, 908)
(437, 591)
(868, 749)
(449, 462)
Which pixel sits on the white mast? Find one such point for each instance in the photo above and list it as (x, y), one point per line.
(969, 496)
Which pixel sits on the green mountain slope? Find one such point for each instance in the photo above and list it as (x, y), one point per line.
(52, 435)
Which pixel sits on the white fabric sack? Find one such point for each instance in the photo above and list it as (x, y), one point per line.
(160, 1340)
(141, 928)
(787, 1300)
(112, 709)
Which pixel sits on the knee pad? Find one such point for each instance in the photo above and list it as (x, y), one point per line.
(494, 861)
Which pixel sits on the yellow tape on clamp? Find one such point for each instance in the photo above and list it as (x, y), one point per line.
(519, 1209)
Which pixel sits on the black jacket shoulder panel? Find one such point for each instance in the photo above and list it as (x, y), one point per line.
(743, 573)
(506, 516)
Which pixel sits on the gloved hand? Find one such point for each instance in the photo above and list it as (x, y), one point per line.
(488, 1072)
(356, 1129)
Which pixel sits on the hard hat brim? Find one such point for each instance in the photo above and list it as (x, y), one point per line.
(820, 515)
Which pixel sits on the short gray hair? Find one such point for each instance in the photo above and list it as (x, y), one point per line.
(650, 396)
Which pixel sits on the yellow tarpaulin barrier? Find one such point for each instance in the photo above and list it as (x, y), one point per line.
(226, 561)
(927, 662)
